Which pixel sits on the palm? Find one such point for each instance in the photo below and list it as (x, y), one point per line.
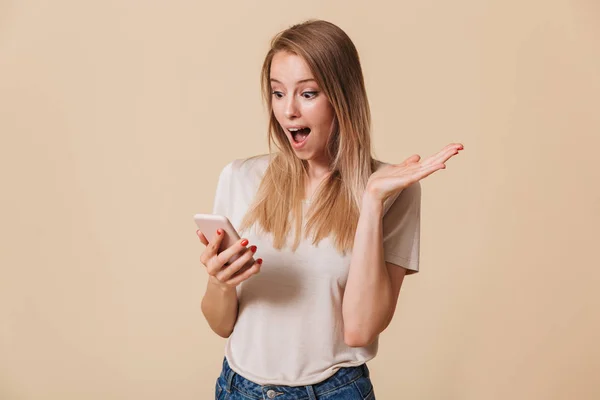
(392, 178)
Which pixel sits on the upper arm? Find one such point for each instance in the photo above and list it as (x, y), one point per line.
(401, 229)
(401, 239)
(396, 274)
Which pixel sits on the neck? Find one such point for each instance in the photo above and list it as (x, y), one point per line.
(317, 169)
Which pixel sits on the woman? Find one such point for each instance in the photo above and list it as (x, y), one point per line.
(305, 327)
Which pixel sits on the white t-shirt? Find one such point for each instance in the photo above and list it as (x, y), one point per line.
(289, 329)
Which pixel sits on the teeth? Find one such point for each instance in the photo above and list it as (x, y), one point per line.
(295, 129)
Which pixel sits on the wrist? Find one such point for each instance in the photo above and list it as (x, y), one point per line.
(371, 203)
(212, 280)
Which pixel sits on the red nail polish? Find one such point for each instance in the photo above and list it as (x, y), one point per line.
(244, 242)
(259, 261)
(253, 248)
(218, 231)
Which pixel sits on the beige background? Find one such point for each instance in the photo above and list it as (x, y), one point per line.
(116, 117)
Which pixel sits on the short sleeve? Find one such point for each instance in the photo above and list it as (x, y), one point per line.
(221, 204)
(401, 229)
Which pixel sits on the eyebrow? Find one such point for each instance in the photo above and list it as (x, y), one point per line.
(300, 81)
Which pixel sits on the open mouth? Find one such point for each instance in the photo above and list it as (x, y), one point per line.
(299, 135)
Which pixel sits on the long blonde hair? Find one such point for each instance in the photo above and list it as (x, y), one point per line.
(334, 63)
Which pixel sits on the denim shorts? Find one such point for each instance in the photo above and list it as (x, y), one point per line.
(348, 383)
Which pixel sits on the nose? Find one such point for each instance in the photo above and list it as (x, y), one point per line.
(291, 108)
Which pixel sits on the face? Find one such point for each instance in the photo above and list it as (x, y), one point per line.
(300, 107)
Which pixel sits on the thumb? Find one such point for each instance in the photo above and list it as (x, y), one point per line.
(411, 159)
(202, 237)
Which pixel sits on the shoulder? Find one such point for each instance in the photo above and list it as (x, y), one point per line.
(247, 168)
(253, 164)
(377, 164)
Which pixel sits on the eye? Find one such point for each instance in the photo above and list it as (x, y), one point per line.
(310, 95)
(277, 94)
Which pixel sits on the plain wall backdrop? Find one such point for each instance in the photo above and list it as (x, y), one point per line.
(117, 116)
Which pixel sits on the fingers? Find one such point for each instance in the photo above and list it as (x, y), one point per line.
(428, 170)
(236, 248)
(212, 247)
(416, 172)
(215, 262)
(230, 270)
(215, 244)
(439, 158)
(444, 155)
(253, 270)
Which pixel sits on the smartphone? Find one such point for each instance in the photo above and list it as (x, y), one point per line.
(208, 225)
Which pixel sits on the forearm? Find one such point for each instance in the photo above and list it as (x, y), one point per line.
(368, 293)
(220, 308)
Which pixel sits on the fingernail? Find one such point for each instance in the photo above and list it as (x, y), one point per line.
(198, 232)
(253, 248)
(244, 242)
(218, 231)
(259, 261)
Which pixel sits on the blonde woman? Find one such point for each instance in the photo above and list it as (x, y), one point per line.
(337, 229)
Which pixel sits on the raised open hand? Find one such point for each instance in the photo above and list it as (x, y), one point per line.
(390, 179)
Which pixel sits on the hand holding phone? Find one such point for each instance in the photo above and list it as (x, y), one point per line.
(226, 257)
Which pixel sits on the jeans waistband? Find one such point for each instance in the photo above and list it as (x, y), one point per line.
(342, 377)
